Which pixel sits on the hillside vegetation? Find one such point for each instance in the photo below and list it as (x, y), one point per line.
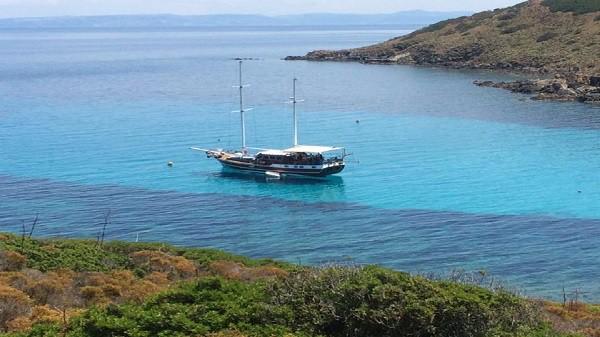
(88, 288)
(577, 6)
(555, 36)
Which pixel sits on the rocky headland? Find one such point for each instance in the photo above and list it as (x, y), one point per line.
(558, 88)
(557, 41)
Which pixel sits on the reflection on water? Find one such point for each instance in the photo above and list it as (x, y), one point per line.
(287, 179)
(305, 188)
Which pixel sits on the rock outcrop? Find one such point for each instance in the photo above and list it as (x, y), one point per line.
(560, 89)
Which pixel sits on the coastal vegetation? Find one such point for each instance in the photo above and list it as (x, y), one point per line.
(76, 288)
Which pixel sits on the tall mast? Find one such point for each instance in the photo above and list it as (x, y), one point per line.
(295, 116)
(243, 121)
(294, 100)
(242, 111)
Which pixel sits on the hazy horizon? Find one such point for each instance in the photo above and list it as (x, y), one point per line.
(232, 14)
(54, 8)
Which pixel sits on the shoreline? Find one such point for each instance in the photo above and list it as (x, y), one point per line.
(544, 38)
(564, 87)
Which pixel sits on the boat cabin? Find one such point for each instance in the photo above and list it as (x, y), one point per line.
(297, 155)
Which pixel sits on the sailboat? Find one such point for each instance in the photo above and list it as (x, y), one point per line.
(298, 160)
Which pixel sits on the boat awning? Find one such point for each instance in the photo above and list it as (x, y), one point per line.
(311, 149)
(274, 152)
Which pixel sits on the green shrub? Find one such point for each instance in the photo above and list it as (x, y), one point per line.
(76, 255)
(40, 330)
(87, 255)
(194, 309)
(468, 25)
(509, 15)
(373, 301)
(514, 29)
(546, 37)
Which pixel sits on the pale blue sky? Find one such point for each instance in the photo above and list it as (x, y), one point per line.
(25, 8)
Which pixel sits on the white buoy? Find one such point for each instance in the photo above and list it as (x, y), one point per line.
(170, 164)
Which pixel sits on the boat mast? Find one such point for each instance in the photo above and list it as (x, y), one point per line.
(242, 117)
(295, 116)
(293, 100)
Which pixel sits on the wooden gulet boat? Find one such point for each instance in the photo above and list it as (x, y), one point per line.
(298, 160)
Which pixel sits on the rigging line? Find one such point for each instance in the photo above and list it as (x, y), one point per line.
(254, 134)
(294, 111)
(289, 111)
(230, 120)
(229, 123)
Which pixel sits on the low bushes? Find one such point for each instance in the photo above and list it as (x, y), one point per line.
(157, 290)
(514, 29)
(13, 304)
(11, 261)
(546, 37)
(45, 281)
(209, 305)
(373, 301)
(333, 301)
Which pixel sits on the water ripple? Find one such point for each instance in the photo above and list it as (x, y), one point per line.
(540, 254)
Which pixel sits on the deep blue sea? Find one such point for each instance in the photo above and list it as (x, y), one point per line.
(444, 175)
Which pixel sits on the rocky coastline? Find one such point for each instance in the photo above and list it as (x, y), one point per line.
(557, 46)
(565, 86)
(556, 89)
(457, 58)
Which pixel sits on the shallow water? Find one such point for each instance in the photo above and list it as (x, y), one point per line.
(443, 175)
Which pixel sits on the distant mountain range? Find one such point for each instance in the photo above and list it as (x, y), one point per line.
(414, 18)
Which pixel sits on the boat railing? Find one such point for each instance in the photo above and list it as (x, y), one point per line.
(333, 160)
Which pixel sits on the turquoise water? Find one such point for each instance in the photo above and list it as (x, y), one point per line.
(443, 175)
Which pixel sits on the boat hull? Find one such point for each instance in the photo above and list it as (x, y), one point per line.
(298, 170)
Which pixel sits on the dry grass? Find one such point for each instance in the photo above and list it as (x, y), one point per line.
(11, 261)
(177, 267)
(237, 271)
(574, 317)
(29, 296)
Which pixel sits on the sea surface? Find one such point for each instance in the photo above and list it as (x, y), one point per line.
(443, 175)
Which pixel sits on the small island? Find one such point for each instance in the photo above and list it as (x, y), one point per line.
(76, 288)
(557, 41)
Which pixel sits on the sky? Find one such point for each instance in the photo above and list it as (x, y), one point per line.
(32, 8)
